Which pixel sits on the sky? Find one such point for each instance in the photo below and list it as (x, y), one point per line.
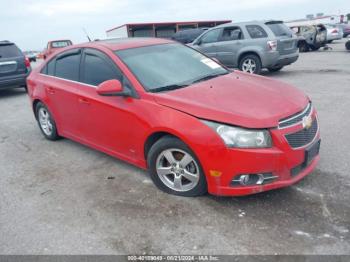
(32, 23)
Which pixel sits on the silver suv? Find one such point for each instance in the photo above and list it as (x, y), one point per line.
(250, 46)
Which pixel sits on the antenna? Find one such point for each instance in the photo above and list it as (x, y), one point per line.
(86, 34)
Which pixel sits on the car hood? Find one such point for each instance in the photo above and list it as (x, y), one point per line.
(238, 98)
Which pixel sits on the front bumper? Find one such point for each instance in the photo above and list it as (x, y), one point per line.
(281, 161)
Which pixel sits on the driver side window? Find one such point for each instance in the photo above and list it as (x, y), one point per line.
(211, 37)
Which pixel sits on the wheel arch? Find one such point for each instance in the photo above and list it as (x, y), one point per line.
(154, 137)
(248, 53)
(35, 102)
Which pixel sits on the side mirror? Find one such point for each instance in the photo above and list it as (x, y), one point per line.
(112, 87)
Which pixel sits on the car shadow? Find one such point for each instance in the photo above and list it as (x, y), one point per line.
(12, 92)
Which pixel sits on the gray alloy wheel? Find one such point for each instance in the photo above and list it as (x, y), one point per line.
(249, 66)
(45, 121)
(250, 63)
(177, 170)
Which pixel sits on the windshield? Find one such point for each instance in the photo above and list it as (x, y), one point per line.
(279, 29)
(169, 66)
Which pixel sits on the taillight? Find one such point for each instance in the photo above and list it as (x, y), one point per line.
(334, 31)
(27, 62)
(272, 45)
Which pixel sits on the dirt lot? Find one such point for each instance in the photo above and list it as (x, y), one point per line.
(56, 198)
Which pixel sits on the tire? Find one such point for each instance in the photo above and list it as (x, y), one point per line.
(314, 48)
(347, 45)
(275, 69)
(252, 60)
(46, 122)
(164, 165)
(329, 41)
(304, 47)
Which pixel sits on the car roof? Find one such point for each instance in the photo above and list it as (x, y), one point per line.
(126, 43)
(253, 22)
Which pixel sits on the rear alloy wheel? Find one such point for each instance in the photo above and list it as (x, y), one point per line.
(174, 168)
(250, 64)
(46, 122)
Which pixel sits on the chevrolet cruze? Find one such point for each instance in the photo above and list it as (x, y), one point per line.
(195, 125)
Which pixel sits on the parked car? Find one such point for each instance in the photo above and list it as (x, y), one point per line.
(334, 32)
(31, 55)
(162, 106)
(188, 35)
(345, 28)
(55, 45)
(310, 37)
(347, 45)
(14, 66)
(250, 46)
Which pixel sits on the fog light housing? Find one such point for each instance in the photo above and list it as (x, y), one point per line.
(253, 179)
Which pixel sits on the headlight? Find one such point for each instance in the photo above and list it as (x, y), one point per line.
(240, 137)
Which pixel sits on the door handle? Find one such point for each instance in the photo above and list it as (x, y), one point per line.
(83, 100)
(50, 90)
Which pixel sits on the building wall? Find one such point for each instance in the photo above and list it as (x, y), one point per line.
(120, 32)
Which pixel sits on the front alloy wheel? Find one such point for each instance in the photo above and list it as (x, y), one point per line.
(175, 169)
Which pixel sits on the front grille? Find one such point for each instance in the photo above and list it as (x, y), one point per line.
(296, 118)
(303, 137)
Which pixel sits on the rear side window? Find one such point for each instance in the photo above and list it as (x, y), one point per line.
(67, 66)
(98, 68)
(8, 51)
(256, 31)
(279, 29)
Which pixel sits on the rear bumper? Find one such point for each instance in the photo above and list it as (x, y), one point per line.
(13, 81)
(274, 59)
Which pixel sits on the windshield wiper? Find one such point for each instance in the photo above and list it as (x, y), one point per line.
(207, 77)
(167, 88)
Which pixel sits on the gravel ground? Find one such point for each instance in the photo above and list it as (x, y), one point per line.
(57, 198)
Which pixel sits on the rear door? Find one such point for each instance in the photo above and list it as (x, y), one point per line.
(230, 42)
(12, 61)
(61, 83)
(286, 41)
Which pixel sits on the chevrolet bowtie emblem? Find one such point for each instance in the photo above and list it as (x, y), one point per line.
(307, 122)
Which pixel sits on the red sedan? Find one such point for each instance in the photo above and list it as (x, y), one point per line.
(195, 125)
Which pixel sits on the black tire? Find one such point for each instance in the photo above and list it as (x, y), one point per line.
(315, 48)
(303, 47)
(169, 142)
(253, 57)
(347, 45)
(329, 41)
(54, 134)
(275, 69)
